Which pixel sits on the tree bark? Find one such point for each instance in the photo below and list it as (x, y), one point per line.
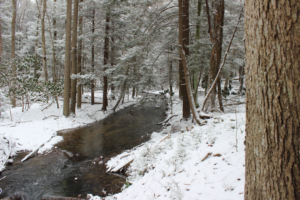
(216, 30)
(54, 41)
(0, 40)
(272, 30)
(13, 54)
(80, 44)
(105, 62)
(241, 79)
(44, 41)
(93, 59)
(66, 111)
(36, 41)
(184, 37)
(74, 57)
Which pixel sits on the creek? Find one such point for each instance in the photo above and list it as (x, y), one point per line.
(76, 166)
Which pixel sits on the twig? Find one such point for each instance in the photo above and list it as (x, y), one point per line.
(47, 106)
(167, 119)
(207, 155)
(167, 137)
(50, 116)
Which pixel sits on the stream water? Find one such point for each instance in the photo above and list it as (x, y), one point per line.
(76, 166)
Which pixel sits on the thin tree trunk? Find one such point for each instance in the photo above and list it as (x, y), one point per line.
(105, 62)
(66, 111)
(93, 59)
(37, 41)
(44, 41)
(195, 80)
(272, 30)
(54, 41)
(123, 89)
(220, 94)
(241, 79)
(112, 62)
(13, 55)
(80, 44)
(74, 57)
(184, 37)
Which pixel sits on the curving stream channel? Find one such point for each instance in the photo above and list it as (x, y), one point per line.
(76, 166)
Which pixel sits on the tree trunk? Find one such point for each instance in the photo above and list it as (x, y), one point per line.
(216, 33)
(195, 78)
(241, 79)
(112, 62)
(105, 62)
(74, 57)
(0, 40)
(36, 41)
(66, 111)
(44, 41)
(272, 30)
(80, 43)
(184, 37)
(93, 59)
(54, 41)
(13, 55)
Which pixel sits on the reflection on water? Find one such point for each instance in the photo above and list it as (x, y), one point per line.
(76, 166)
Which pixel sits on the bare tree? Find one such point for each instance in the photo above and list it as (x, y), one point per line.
(184, 37)
(272, 42)
(74, 57)
(66, 111)
(13, 53)
(44, 41)
(80, 45)
(105, 62)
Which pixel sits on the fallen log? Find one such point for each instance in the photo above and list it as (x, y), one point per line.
(26, 157)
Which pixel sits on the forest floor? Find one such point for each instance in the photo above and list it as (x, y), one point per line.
(183, 161)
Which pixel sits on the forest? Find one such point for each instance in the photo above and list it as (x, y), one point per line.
(149, 99)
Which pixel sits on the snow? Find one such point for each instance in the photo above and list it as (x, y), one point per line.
(30, 129)
(198, 162)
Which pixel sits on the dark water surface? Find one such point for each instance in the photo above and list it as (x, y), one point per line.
(77, 164)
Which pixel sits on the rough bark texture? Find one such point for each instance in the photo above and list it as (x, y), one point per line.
(13, 47)
(272, 30)
(105, 62)
(217, 40)
(93, 59)
(184, 36)
(66, 111)
(80, 44)
(74, 57)
(0, 40)
(44, 41)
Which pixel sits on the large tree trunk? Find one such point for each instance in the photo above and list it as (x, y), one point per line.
(105, 62)
(0, 40)
(13, 54)
(272, 30)
(74, 57)
(44, 41)
(184, 36)
(80, 43)
(66, 111)
(93, 59)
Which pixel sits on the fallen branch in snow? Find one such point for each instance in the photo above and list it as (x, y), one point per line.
(207, 155)
(94, 102)
(116, 169)
(167, 119)
(50, 116)
(235, 104)
(26, 157)
(167, 137)
(47, 106)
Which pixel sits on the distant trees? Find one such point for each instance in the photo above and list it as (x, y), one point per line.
(273, 108)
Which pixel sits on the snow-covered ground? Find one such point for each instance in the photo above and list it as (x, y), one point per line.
(27, 131)
(188, 161)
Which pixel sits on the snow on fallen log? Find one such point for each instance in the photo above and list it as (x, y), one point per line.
(26, 157)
